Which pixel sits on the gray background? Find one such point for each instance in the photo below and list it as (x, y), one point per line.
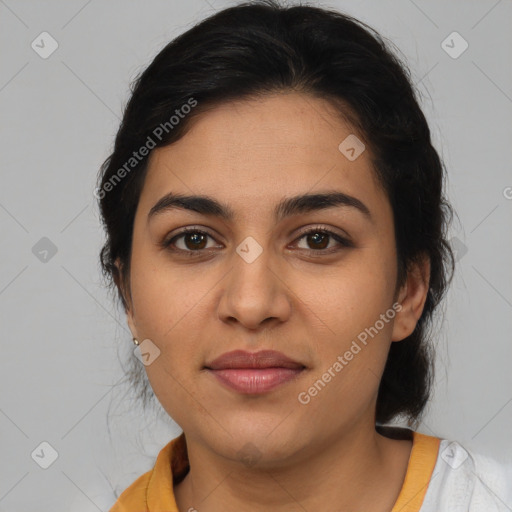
(62, 337)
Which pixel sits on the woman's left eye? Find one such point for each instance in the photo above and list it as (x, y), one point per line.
(320, 238)
(195, 240)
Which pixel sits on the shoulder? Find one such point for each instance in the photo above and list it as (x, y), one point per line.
(156, 485)
(464, 480)
(133, 498)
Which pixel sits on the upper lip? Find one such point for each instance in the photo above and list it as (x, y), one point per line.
(261, 359)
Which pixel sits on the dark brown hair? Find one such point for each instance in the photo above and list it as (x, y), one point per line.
(259, 48)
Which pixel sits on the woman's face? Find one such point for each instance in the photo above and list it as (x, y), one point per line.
(256, 282)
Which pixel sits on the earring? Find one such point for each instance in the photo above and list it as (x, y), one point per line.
(136, 341)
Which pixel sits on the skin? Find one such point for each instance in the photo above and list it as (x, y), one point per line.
(325, 455)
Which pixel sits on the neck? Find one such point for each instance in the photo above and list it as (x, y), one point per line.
(358, 470)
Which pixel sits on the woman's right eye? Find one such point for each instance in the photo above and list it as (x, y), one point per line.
(193, 240)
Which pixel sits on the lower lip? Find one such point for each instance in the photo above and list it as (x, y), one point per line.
(255, 380)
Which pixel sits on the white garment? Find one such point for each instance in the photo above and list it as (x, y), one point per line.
(464, 481)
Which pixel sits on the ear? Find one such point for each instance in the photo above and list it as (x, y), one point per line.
(126, 297)
(412, 297)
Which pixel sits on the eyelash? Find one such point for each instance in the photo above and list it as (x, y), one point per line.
(344, 242)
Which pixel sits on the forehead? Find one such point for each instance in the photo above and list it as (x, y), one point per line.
(257, 151)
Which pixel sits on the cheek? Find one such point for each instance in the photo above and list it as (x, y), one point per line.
(168, 307)
(348, 298)
(164, 297)
(343, 314)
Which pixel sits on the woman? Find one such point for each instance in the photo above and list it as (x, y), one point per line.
(276, 228)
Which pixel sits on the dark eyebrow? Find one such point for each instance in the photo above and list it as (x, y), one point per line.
(295, 205)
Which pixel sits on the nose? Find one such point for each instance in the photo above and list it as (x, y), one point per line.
(255, 294)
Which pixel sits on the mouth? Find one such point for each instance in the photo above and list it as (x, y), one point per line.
(254, 373)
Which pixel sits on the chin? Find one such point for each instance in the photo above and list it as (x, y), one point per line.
(261, 442)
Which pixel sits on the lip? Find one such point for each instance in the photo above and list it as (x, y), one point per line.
(261, 359)
(254, 373)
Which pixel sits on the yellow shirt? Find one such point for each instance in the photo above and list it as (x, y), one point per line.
(153, 491)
